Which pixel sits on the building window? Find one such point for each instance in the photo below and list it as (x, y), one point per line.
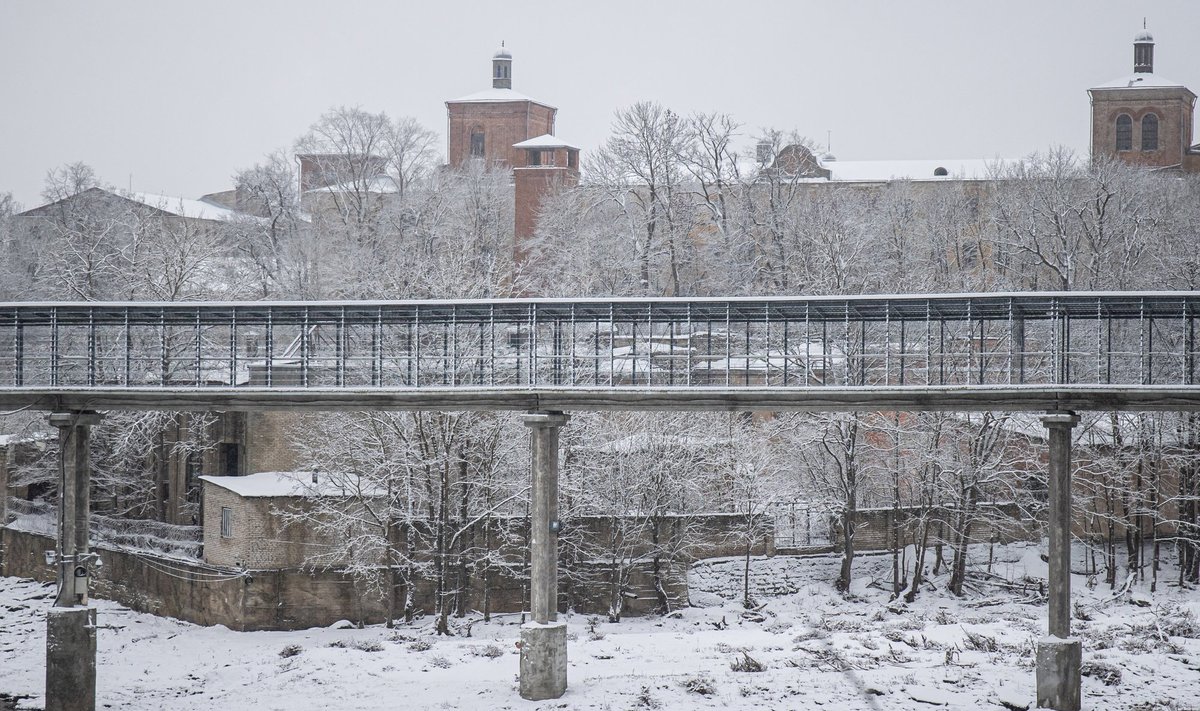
(477, 144)
(535, 157)
(226, 522)
(230, 459)
(1124, 133)
(940, 172)
(1149, 132)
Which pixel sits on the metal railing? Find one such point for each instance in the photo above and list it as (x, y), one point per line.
(124, 533)
(908, 342)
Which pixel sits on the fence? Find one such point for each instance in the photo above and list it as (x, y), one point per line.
(130, 534)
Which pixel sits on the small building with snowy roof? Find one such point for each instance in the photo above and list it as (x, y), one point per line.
(252, 521)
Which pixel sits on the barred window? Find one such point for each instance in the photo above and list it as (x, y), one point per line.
(1124, 133)
(1149, 132)
(226, 522)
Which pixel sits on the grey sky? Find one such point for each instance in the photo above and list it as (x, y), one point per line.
(174, 97)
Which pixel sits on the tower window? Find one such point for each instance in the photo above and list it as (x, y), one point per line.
(1149, 132)
(1124, 133)
(477, 144)
(940, 172)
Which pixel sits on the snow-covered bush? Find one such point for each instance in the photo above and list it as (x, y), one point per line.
(290, 651)
(747, 663)
(701, 685)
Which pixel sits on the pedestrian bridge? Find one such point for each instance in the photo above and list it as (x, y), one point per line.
(1012, 351)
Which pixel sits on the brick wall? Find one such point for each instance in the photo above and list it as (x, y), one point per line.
(268, 441)
(502, 123)
(1173, 106)
(531, 186)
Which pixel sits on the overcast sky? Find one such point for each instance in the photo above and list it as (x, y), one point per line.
(174, 97)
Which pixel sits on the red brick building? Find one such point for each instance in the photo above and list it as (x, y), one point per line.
(486, 124)
(547, 165)
(1145, 119)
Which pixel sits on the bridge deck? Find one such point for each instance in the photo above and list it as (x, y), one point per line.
(1074, 350)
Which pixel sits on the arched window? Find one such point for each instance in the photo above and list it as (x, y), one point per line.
(1149, 132)
(1124, 133)
(940, 172)
(477, 144)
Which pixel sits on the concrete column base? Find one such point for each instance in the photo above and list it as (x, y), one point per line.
(1058, 666)
(543, 660)
(71, 659)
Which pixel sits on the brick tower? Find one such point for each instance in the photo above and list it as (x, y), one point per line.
(486, 124)
(1145, 119)
(548, 165)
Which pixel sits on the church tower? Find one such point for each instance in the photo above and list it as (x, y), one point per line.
(1145, 119)
(485, 125)
(502, 69)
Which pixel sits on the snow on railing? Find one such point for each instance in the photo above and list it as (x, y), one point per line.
(123, 533)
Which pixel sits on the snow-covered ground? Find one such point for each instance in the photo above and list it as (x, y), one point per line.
(817, 650)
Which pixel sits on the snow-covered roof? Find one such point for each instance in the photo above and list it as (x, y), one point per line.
(883, 170)
(545, 141)
(183, 207)
(275, 484)
(1141, 80)
(383, 184)
(496, 96)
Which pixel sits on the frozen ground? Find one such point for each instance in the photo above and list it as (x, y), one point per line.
(817, 649)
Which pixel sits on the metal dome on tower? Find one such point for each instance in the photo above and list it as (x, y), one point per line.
(502, 68)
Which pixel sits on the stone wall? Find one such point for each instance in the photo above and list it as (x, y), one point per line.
(1004, 522)
(297, 599)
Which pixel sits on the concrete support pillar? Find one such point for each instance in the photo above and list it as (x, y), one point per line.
(544, 640)
(1059, 656)
(71, 625)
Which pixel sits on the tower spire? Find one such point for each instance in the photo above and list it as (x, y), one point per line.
(502, 68)
(1143, 51)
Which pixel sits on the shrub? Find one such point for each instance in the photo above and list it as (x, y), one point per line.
(1103, 671)
(491, 651)
(290, 651)
(420, 645)
(747, 664)
(699, 685)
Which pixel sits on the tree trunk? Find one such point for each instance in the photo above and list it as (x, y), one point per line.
(919, 563)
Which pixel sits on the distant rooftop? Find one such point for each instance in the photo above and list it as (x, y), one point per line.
(183, 207)
(274, 484)
(884, 170)
(1141, 80)
(496, 96)
(177, 206)
(544, 141)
